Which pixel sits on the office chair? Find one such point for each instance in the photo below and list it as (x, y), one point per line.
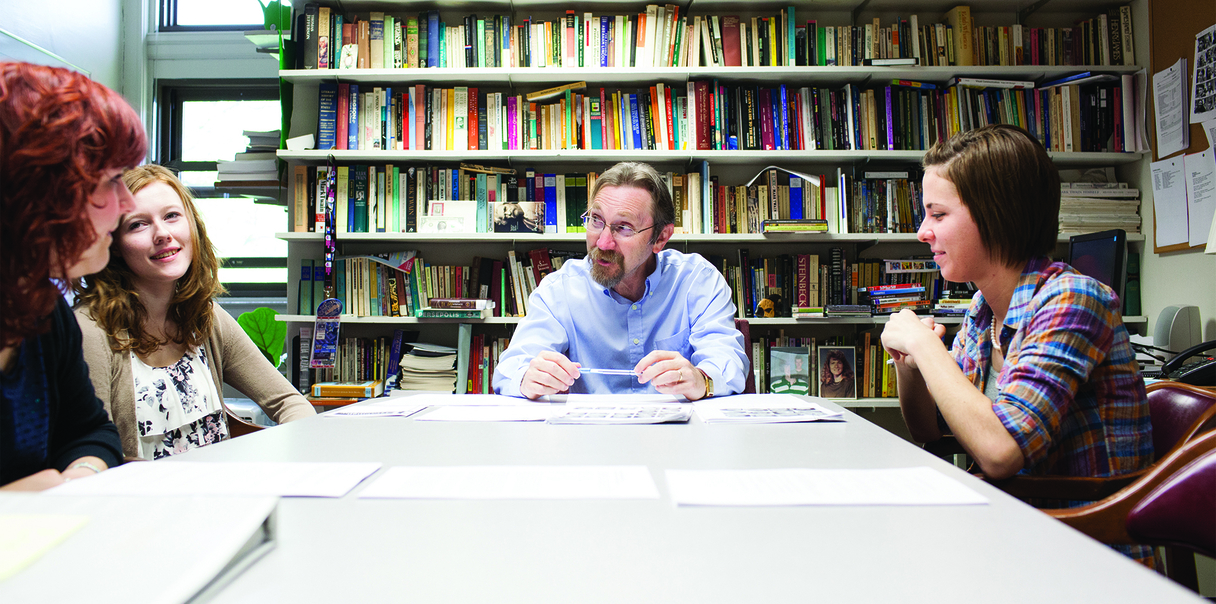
(1178, 413)
(745, 328)
(1171, 505)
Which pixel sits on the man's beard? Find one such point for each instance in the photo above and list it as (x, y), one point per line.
(607, 276)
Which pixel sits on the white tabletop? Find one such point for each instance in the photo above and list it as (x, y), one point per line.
(360, 550)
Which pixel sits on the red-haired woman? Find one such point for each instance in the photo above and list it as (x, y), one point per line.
(64, 143)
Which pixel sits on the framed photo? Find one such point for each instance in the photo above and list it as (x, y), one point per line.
(837, 378)
(518, 217)
(789, 370)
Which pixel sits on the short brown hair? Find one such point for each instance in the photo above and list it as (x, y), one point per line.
(114, 303)
(60, 132)
(645, 177)
(1009, 185)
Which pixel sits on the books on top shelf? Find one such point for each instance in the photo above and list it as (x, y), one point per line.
(663, 35)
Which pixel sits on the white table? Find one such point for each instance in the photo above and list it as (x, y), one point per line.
(353, 550)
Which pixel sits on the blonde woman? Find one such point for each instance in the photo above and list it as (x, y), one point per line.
(158, 346)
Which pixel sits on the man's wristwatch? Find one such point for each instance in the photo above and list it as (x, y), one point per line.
(709, 384)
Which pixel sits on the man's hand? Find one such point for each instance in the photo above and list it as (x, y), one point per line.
(548, 373)
(671, 373)
(903, 330)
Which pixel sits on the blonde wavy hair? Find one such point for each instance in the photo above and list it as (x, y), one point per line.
(115, 303)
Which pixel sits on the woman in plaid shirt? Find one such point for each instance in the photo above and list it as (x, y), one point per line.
(1041, 378)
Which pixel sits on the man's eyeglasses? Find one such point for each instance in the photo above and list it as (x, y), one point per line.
(595, 224)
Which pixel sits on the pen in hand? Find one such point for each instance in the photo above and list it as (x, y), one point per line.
(606, 371)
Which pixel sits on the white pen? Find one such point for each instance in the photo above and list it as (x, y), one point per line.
(606, 371)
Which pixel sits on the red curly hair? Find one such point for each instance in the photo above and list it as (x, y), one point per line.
(59, 133)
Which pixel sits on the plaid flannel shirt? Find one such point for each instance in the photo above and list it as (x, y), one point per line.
(1071, 393)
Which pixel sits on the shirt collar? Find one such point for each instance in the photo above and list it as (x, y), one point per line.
(1032, 277)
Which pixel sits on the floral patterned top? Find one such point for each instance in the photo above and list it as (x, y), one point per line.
(177, 408)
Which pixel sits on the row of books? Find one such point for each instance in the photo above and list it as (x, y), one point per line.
(358, 360)
(661, 36)
(1083, 112)
(805, 285)
(384, 286)
(474, 199)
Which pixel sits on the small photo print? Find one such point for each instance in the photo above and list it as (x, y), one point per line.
(441, 224)
(518, 217)
(836, 372)
(789, 370)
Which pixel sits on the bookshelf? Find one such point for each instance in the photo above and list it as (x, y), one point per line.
(731, 166)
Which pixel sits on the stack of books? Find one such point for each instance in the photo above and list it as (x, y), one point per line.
(428, 367)
(847, 310)
(345, 393)
(256, 164)
(951, 307)
(457, 308)
(888, 299)
(1089, 207)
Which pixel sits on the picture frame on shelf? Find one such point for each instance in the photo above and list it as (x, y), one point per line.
(790, 370)
(518, 216)
(837, 372)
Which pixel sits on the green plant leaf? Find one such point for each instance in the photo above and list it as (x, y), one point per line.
(267, 333)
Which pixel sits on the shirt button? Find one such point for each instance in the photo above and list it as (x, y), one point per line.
(635, 306)
(635, 340)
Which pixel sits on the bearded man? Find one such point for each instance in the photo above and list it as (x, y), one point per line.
(662, 319)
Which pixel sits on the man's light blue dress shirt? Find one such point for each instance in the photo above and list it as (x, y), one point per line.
(687, 308)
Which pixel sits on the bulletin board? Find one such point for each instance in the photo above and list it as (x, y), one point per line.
(1173, 25)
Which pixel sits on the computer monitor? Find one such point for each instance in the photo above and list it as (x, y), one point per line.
(1102, 256)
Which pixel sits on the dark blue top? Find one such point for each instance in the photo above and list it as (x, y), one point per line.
(49, 415)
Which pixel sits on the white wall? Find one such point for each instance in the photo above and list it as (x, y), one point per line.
(1187, 277)
(84, 33)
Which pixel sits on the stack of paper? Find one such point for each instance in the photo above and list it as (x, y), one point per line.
(763, 409)
(428, 367)
(113, 536)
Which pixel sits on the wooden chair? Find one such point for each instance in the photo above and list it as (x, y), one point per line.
(1172, 505)
(1178, 413)
(237, 426)
(749, 387)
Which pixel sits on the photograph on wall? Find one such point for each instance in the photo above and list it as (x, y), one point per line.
(789, 370)
(1203, 84)
(836, 367)
(518, 217)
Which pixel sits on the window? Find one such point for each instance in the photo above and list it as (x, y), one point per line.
(211, 15)
(203, 122)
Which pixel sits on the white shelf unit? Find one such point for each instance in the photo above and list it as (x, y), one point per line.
(732, 166)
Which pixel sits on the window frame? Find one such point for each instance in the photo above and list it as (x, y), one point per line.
(167, 21)
(172, 94)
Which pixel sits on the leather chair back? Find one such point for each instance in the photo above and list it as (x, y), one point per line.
(1175, 408)
(744, 328)
(1180, 511)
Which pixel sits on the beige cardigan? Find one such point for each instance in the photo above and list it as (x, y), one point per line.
(228, 348)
